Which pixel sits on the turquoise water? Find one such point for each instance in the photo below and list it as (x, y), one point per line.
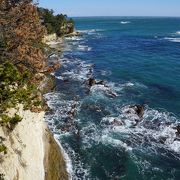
(139, 61)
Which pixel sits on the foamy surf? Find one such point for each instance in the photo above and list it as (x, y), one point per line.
(102, 89)
(156, 129)
(96, 128)
(177, 40)
(90, 31)
(68, 161)
(125, 22)
(84, 48)
(178, 32)
(74, 38)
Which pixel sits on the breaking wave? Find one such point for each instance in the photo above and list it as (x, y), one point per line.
(125, 22)
(177, 40)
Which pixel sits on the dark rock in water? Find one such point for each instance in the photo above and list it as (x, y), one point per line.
(139, 109)
(128, 112)
(137, 121)
(117, 123)
(163, 88)
(78, 134)
(91, 82)
(66, 80)
(168, 123)
(178, 130)
(112, 94)
(91, 70)
(100, 83)
(162, 140)
(72, 112)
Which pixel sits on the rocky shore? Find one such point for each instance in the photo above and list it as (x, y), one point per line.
(54, 162)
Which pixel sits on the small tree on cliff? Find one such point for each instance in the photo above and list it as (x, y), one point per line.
(22, 33)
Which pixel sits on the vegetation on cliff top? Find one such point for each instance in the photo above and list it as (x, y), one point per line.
(21, 35)
(23, 63)
(59, 24)
(22, 60)
(21, 57)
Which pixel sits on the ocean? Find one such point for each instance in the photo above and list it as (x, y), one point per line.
(136, 61)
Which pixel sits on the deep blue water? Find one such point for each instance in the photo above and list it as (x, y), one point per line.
(139, 61)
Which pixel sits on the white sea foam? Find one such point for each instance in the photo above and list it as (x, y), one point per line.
(175, 146)
(78, 167)
(129, 84)
(89, 31)
(106, 73)
(102, 89)
(67, 159)
(115, 142)
(157, 129)
(74, 38)
(80, 75)
(178, 32)
(84, 48)
(119, 87)
(96, 33)
(177, 40)
(125, 22)
(80, 72)
(60, 77)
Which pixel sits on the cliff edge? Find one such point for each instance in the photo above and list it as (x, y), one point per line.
(32, 152)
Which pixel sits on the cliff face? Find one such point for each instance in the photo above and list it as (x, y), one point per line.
(55, 165)
(31, 150)
(25, 152)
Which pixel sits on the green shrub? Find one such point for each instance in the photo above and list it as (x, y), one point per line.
(2, 176)
(15, 119)
(15, 87)
(59, 24)
(10, 122)
(4, 119)
(37, 103)
(3, 149)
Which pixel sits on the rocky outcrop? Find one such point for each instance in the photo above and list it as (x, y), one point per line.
(51, 37)
(73, 34)
(139, 109)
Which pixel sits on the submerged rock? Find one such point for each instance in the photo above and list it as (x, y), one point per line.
(178, 130)
(91, 82)
(100, 83)
(139, 109)
(66, 80)
(117, 123)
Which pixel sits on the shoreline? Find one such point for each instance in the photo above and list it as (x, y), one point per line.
(66, 158)
(56, 45)
(54, 159)
(40, 156)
